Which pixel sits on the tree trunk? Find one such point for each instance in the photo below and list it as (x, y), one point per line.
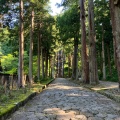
(53, 62)
(21, 82)
(50, 66)
(39, 40)
(31, 49)
(74, 66)
(109, 63)
(69, 65)
(85, 68)
(112, 13)
(46, 62)
(100, 59)
(93, 72)
(43, 73)
(117, 33)
(103, 55)
(115, 8)
(56, 64)
(63, 57)
(59, 63)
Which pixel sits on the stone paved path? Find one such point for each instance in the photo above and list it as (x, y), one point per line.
(64, 100)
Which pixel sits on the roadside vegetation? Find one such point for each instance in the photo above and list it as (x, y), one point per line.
(15, 96)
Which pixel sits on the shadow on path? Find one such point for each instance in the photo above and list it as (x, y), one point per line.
(64, 100)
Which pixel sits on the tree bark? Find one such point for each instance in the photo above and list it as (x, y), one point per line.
(43, 72)
(103, 55)
(31, 49)
(93, 72)
(39, 41)
(117, 33)
(100, 55)
(50, 67)
(53, 62)
(63, 57)
(46, 62)
(60, 63)
(85, 68)
(74, 65)
(112, 13)
(21, 82)
(57, 64)
(109, 63)
(69, 65)
(115, 8)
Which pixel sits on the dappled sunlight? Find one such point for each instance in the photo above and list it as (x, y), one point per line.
(64, 100)
(60, 114)
(104, 86)
(77, 95)
(63, 87)
(41, 40)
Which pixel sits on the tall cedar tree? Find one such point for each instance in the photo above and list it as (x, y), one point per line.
(115, 17)
(93, 73)
(31, 48)
(21, 49)
(85, 68)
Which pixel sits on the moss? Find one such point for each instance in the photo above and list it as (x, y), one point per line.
(12, 102)
(6, 108)
(14, 97)
(45, 81)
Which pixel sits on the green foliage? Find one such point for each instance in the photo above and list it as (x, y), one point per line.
(112, 77)
(3, 9)
(9, 38)
(26, 62)
(66, 71)
(63, 33)
(68, 24)
(36, 79)
(47, 36)
(4, 98)
(104, 32)
(102, 21)
(109, 77)
(42, 80)
(9, 101)
(68, 3)
(9, 64)
(1, 89)
(45, 81)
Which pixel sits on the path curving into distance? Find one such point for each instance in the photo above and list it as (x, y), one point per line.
(64, 100)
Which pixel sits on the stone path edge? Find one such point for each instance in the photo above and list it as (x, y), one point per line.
(22, 103)
(111, 96)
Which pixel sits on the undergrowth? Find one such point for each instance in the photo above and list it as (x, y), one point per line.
(14, 96)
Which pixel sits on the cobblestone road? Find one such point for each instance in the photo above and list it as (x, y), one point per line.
(64, 100)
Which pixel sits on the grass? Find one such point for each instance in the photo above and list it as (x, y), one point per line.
(11, 99)
(45, 81)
